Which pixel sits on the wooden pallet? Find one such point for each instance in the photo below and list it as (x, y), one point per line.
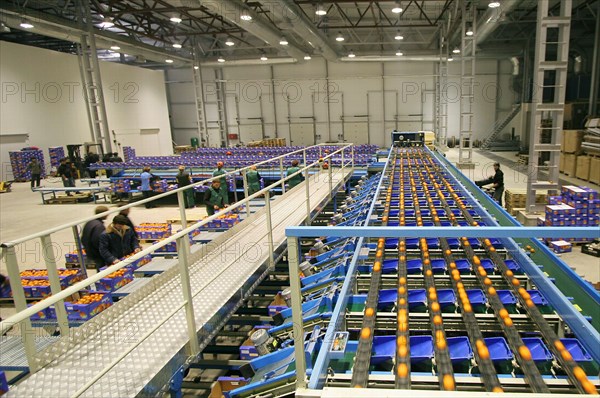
(66, 199)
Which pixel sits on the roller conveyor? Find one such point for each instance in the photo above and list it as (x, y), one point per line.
(515, 343)
(119, 354)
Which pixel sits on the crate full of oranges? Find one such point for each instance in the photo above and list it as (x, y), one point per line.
(115, 280)
(46, 313)
(67, 277)
(88, 306)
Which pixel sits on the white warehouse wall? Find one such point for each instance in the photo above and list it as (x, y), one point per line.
(371, 97)
(42, 96)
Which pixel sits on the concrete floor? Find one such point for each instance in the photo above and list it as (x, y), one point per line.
(22, 214)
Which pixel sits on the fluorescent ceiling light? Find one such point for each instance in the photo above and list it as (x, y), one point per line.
(307, 57)
(26, 24)
(399, 53)
(221, 59)
(229, 42)
(264, 58)
(456, 50)
(245, 16)
(196, 67)
(339, 37)
(176, 45)
(320, 11)
(450, 59)
(494, 4)
(397, 9)
(469, 31)
(398, 36)
(115, 47)
(283, 41)
(351, 54)
(175, 19)
(169, 61)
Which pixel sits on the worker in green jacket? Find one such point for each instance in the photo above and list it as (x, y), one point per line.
(213, 198)
(297, 179)
(253, 179)
(223, 180)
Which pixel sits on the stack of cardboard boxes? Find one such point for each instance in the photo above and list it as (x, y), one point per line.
(575, 163)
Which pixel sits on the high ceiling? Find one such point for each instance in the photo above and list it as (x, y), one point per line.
(243, 31)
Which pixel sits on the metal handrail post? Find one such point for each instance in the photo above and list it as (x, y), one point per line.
(245, 181)
(352, 152)
(270, 230)
(79, 248)
(183, 216)
(297, 321)
(182, 255)
(329, 172)
(55, 288)
(307, 189)
(343, 159)
(27, 333)
(281, 176)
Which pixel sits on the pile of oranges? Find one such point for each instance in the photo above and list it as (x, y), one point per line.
(35, 282)
(42, 272)
(117, 273)
(89, 299)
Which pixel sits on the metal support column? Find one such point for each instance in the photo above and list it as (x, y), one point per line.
(593, 108)
(53, 278)
(297, 321)
(467, 86)
(307, 184)
(269, 230)
(27, 333)
(281, 175)
(221, 106)
(91, 78)
(549, 81)
(199, 98)
(442, 95)
(245, 181)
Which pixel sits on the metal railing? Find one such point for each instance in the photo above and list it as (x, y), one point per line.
(58, 296)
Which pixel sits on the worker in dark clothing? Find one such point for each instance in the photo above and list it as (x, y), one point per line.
(223, 181)
(297, 179)
(125, 213)
(36, 172)
(90, 238)
(65, 172)
(253, 180)
(118, 241)
(497, 181)
(213, 198)
(183, 179)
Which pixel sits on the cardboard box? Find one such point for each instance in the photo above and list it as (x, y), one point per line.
(583, 167)
(571, 141)
(561, 246)
(595, 170)
(225, 384)
(570, 164)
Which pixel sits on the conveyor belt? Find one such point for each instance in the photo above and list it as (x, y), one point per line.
(12, 351)
(95, 361)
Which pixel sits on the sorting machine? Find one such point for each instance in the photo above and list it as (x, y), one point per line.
(440, 313)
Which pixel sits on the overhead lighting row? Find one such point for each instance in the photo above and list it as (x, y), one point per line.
(321, 11)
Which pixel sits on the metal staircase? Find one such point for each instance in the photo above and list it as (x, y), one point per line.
(499, 125)
(221, 107)
(200, 104)
(90, 77)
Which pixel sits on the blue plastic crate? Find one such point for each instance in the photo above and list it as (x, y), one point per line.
(461, 353)
(540, 354)
(580, 355)
(500, 354)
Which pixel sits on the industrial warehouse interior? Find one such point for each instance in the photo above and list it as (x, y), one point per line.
(292, 198)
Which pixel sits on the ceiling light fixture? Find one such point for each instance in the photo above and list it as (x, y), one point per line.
(450, 59)
(115, 47)
(229, 42)
(456, 50)
(399, 53)
(175, 19)
(339, 37)
(169, 61)
(351, 54)
(26, 24)
(469, 31)
(320, 11)
(177, 45)
(196, 67)
(397, 8)
(307, 57)
(245, 16)
(398, 36)
(283, 41)
(264, 58)
(107, 23)
(220, 59)
(494, 4)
